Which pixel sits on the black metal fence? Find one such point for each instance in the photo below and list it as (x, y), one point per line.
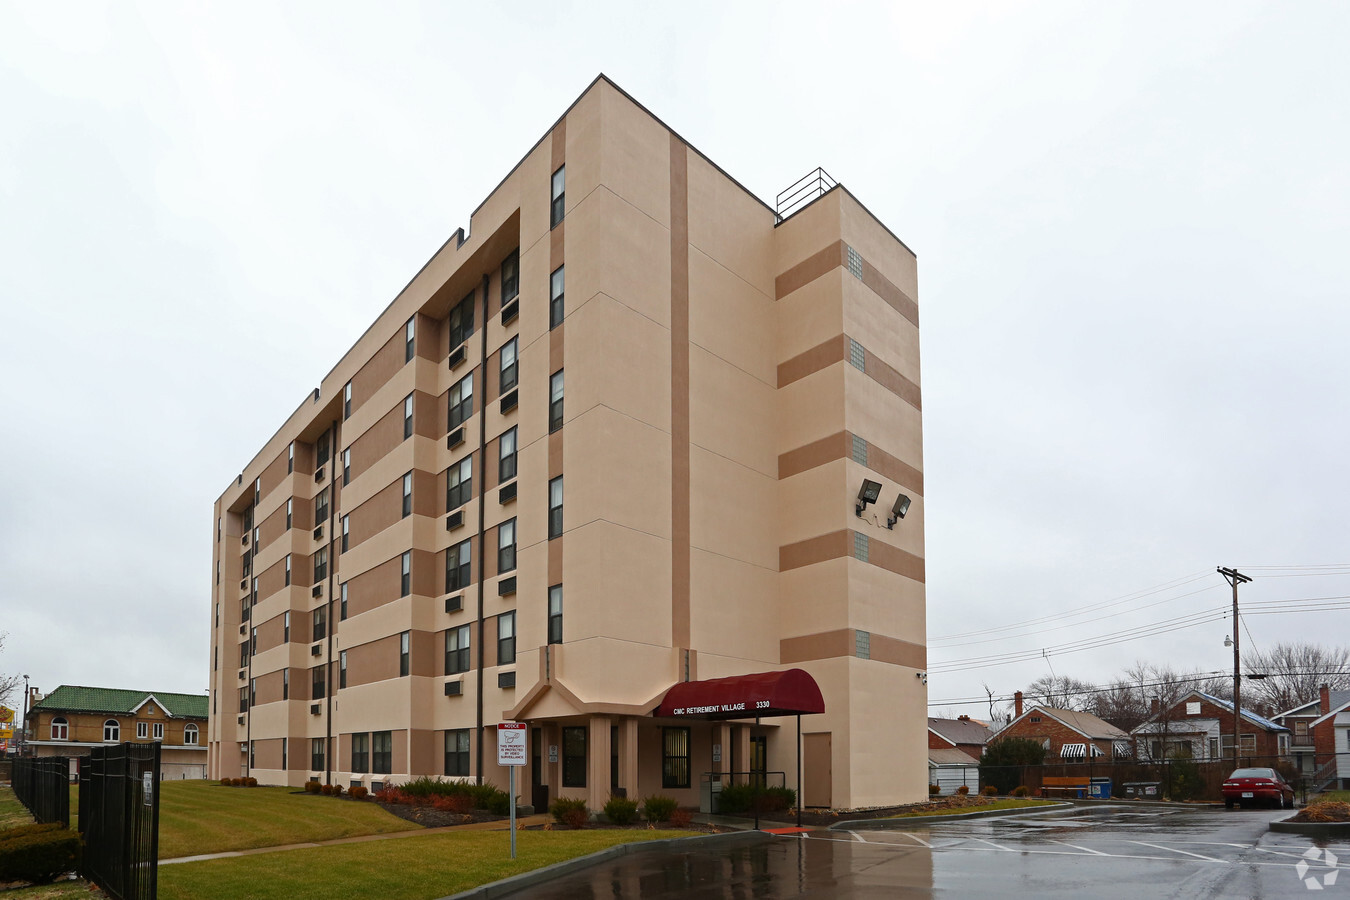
(119, 819)
(43, 785)
(1177, 778)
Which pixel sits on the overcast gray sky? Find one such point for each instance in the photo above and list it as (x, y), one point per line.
(1131, 223)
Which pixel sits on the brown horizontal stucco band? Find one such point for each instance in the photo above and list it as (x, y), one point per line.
(833, 257)
(840, 446)
(835, 350)
(843, 642)
(839, 544)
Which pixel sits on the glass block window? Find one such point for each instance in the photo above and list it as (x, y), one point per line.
(862, 644)
(861, 546)
(854, 263)
(857, 356)
(859, 450)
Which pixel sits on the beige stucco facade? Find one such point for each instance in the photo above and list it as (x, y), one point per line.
(730, 381)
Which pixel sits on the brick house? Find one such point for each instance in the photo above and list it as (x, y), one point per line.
(962, 733)
(1200, 726)
(1331, 739)
(1067, 735)
(72, 720)
(1299, 721)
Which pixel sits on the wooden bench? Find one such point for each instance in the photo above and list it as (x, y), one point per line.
(1063, 786)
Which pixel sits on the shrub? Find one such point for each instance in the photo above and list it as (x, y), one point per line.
(963, 790)
(337, 790)
(250, 782)
(359, 792)
(38, 855)
(658, 808)
(681, 818)
(621, 810)
(934, 790)
(989, 790)
(744, 799)
(1324, 811)
(312, 787)
(326, 790)
(421, 791)
(454, 803)
(1021, 791)
(226, 782)
(569, 812)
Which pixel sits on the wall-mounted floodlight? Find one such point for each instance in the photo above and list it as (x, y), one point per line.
(869, 493)
(898, 510)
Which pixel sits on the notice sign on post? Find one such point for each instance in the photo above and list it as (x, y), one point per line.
(510, 743)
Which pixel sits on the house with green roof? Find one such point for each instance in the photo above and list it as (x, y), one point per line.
(73, 719)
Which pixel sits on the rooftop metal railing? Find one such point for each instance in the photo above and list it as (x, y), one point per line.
(803, 191)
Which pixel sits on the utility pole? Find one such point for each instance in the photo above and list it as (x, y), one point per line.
(1234, 578)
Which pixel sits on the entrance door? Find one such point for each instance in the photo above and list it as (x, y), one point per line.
(538, 790)
(817, 769)
(759, 759)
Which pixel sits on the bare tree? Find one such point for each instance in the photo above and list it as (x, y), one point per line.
(1290, 674)
(8, 683)
(1059, 692)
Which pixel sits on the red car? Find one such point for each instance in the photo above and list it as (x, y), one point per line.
(1246, 787)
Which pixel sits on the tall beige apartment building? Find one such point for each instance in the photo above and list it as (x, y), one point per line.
(609, 441)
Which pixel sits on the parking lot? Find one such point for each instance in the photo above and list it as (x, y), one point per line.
(1103, 852)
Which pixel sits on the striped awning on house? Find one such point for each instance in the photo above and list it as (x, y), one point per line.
(1073, 751)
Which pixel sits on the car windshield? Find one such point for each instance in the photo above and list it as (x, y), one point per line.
(1254, 773)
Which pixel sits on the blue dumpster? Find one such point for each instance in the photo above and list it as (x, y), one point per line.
(1100, 789)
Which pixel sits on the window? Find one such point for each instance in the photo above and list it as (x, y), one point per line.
(511, 277)
(288, 569)
(407, 416)
(60, 729)
(555, 401)
(346, 466)
(1193, 708)
(409, 336)
(288, 513)
(347, 400)
(555, 614)
(342, 602)
(189, 733)
(158, 731)
(459, 484)
(243, 654)
(457, 650)
(290, 458)
(286, 626)
(320, 565)
(461, 321)
(360, 753)
(321, 450)
(253, 642)
(555, 298)
(257, 490)
(403, 652)
(320, 624)
(510, 371)
(457, 752)
(1248, 743)
(506, 466)
(1301, 729)
(342, 669)
(382, 752)
(555, 508)
(252, 756)
(346, 531)
(142, 730)
(243, 700)
(506, 546)
(506, 639)
(461, 401)
(253, 692)
(283, 754)
(407, 495)
(318, 682)
(574, 756)
(321, 507)
(458, 567)
(316, 754)
(405, 581)
(285, 684)
(558, 194)
(674, 757)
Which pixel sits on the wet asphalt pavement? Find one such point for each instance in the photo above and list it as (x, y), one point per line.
(1094, 852)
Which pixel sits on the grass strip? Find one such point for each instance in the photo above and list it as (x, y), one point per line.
(1011, 803)
(412, 868)
(12, 812)
(198, 817)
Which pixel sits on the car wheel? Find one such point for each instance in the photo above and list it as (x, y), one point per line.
(1227, 804)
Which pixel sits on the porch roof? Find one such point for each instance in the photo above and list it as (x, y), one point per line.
(788, 693)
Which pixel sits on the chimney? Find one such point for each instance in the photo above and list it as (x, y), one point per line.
(1153, 706)
(1325, 697)
(1017, 705)
(963, 718)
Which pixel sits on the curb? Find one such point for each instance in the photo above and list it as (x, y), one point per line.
(567, 866)
(1313, 829)
(889, 824)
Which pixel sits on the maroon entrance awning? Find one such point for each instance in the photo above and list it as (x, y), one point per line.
(788, 693)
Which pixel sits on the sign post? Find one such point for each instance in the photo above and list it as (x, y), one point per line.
(511, 753)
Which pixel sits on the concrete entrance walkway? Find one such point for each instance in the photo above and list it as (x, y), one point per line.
(504, 825)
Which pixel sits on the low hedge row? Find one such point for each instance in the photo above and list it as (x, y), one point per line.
(743, 799)
(38, 853)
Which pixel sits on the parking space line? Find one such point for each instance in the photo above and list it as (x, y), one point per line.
(992, 844)
(858, 836)
(915, 837)
(1084, 849)
(1175, 850)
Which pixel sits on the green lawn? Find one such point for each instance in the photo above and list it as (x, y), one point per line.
(202, 817)
(414, 868)
(1342, 796)
(12, 812)
(1010, 803)
(59, 891)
